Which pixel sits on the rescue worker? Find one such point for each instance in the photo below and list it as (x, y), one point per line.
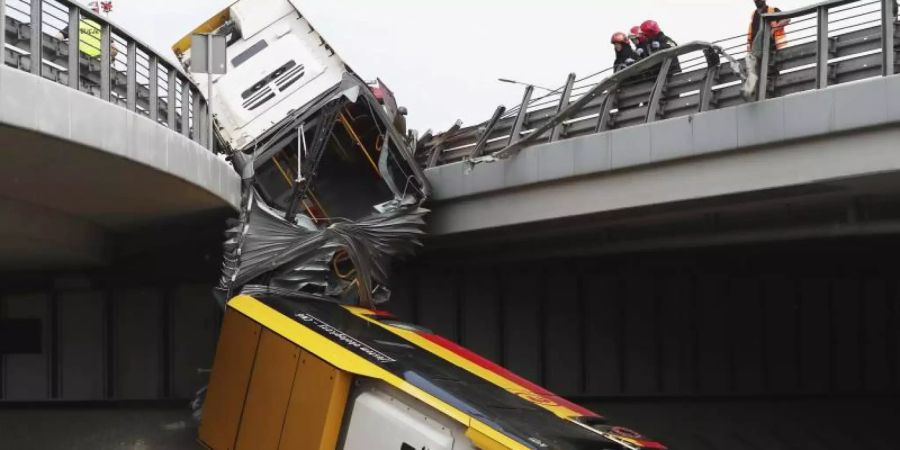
(639, 41)
(755, 49)
(655, 38)
(778, 36)
(657, 41)
(625, 55)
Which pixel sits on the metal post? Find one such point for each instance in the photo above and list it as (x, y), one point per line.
(706, 94)
(105, 60)
(170, 100)
(74, 50)
(482, 140)
(196, 127)
(131, 77)
(605, 107)
(516, 132)
(36, 34)
(200, 118)
(186, 108)
(438, 148)
(563, 103)
(822, 50)
(2, 33)
(153, 87)
(765, 31)
(889, 17)
(658, 88)
(209, 89)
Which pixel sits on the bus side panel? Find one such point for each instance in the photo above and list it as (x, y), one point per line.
(269, 392)
(316, 411)
(229, 380)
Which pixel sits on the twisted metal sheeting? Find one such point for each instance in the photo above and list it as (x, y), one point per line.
(297, 256)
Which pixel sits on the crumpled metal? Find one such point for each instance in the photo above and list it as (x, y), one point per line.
(297, 256)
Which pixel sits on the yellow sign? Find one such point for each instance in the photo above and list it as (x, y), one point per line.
(90, 38)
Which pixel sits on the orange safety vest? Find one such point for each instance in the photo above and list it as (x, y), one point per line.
(777, 32)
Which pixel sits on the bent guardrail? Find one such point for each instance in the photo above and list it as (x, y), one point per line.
(67, 43)
(829, 43)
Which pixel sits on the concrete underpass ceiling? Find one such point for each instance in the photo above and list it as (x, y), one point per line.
(857, 207)
(105, 189)
(64, 204)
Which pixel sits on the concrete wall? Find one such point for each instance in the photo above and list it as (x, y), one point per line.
(817, 319)
(122, 343)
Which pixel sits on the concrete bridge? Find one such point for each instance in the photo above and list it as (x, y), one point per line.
(113, 201)
(684, 146)
(717, 272)
(672, 248)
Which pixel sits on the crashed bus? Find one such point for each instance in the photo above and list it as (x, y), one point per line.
(307, 358)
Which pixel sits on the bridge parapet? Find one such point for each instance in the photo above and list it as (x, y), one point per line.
(830, 43)
(67, 43)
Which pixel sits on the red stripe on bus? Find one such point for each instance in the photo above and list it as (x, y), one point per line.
(501, 371)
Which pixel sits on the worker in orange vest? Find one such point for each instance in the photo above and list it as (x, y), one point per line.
(778, 37)
(755, 49)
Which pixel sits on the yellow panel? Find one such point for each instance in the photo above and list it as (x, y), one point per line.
(184, 44)
(316, 411)
(269, 393)
(483, 442)
(335, 354)
(228, 382)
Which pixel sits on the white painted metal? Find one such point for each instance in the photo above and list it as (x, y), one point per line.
(288, 37)
(383, 418)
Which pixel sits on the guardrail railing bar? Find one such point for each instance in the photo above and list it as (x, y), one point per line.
(170, 102)
(195, 110)
(486, 134)
(36, 34)
(435, 157)
(74, 55)
(811, 9)
(822, 49)
(105, 60)
(888, 18)
(207, 124)
(131, 77)
(763, 34)
(609, 100)
(658, 88)
(153, 87)
(2, 33)
(438, 148)
(185, 109)
(706, 92)
(516, 132)
(563, 102)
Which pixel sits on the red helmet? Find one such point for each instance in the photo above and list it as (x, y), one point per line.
(619, 38)
(650, 28)
(636, 33)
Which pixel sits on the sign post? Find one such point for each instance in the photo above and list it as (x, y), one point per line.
(208, 56)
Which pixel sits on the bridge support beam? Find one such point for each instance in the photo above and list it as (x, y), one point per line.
(889, 18)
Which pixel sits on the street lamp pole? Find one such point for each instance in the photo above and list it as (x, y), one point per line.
(508, 81)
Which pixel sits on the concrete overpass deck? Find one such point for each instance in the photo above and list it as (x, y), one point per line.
(96, 146)
(833, 138)
(76, 168)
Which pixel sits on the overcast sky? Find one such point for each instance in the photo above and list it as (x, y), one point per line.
(443, 57)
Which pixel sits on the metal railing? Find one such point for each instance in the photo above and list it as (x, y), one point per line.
(826, 44)
(67, 43)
